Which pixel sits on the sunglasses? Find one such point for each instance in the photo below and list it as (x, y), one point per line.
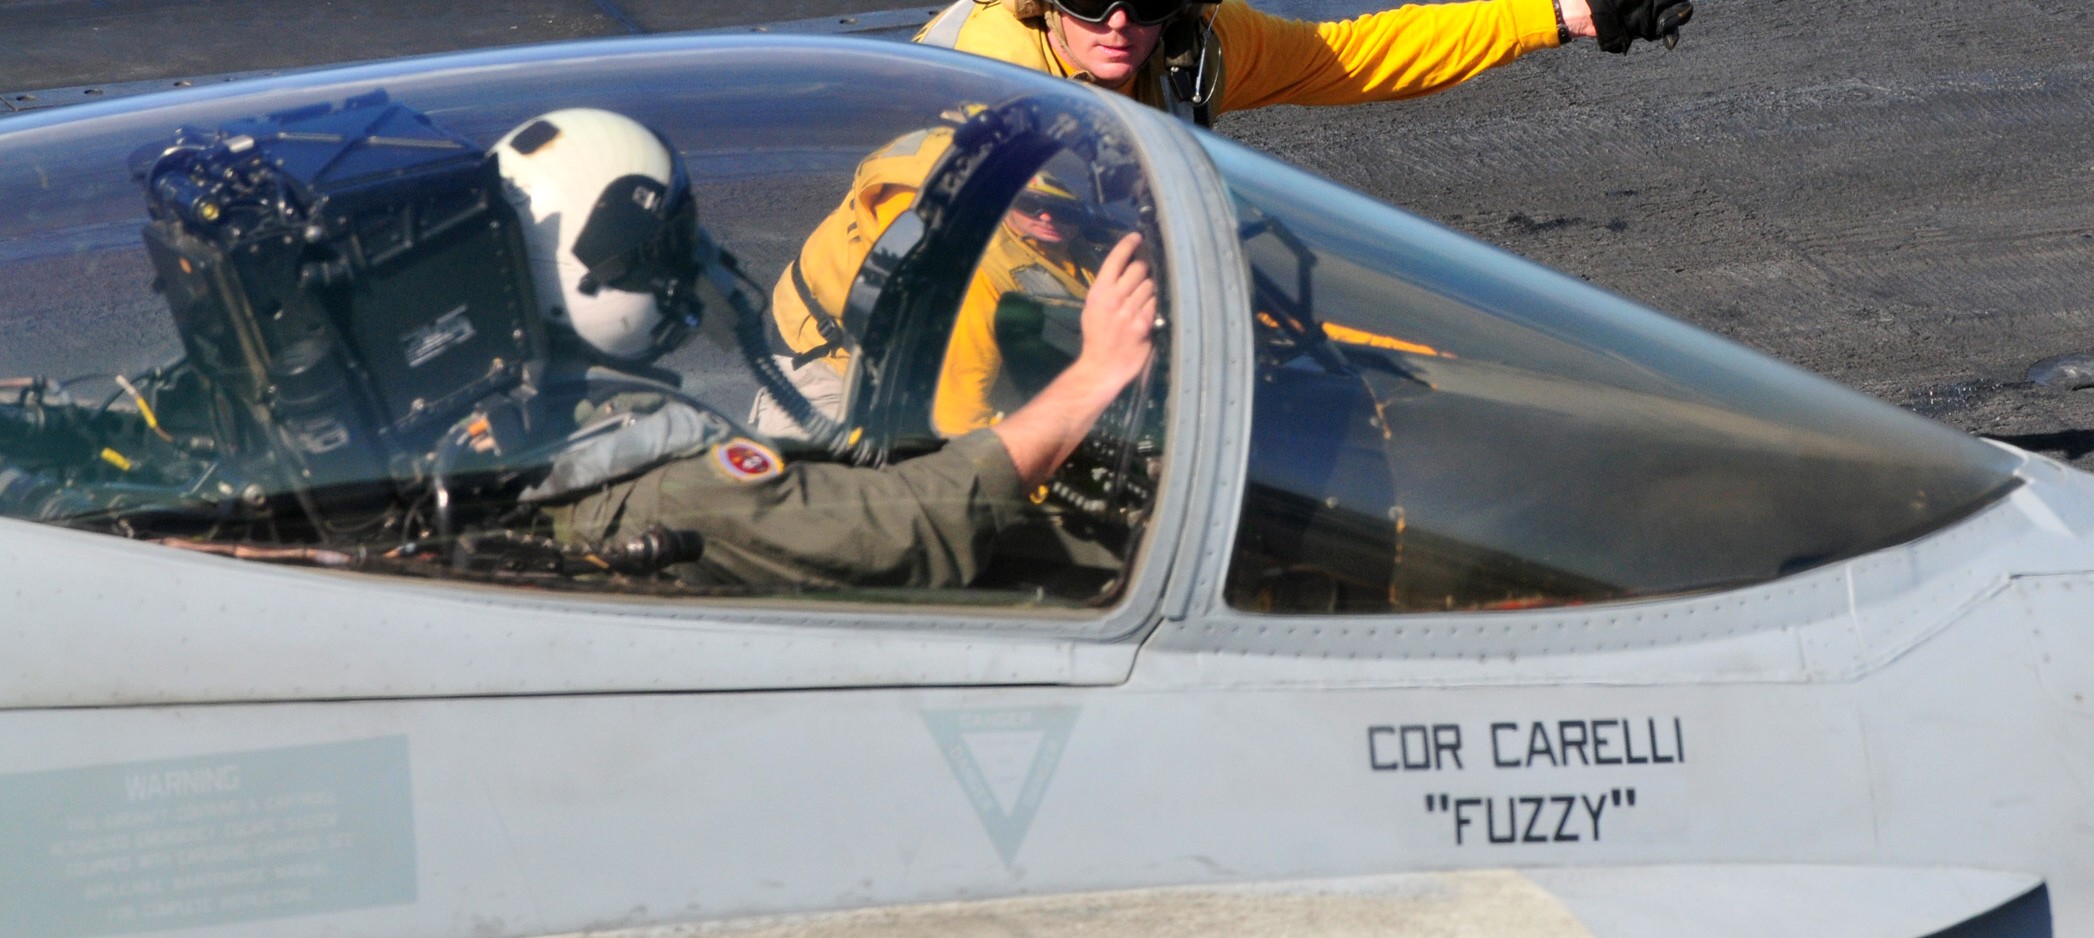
(1035, 205)
(1139, 12)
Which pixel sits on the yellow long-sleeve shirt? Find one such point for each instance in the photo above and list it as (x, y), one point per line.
(1400, 53)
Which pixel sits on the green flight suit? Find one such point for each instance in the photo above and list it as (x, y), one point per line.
(930, 521)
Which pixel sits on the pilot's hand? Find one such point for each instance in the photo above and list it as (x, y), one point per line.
(1119, 314)
(1617, 23)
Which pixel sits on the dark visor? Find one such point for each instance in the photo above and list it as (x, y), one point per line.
(1141, 12)
(637, 233)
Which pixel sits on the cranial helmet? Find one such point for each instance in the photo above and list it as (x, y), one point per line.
(609, 225)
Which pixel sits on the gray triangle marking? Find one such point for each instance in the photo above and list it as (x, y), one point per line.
(1003, 758)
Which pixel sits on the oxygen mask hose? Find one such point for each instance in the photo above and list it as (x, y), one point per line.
(750, 331)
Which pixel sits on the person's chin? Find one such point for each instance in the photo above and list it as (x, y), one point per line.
(1113, 74)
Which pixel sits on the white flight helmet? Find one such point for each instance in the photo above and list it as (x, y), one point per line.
(608, 224)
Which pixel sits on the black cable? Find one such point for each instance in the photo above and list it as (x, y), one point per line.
(750, 333)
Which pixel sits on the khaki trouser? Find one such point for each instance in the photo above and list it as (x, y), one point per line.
(820, 383)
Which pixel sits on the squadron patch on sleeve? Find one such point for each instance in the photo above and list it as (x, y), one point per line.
(745, 460)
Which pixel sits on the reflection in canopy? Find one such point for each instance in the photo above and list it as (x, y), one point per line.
(1438, 425)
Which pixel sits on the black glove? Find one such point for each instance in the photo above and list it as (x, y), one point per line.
(1621, 22)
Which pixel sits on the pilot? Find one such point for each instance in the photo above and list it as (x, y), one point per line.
(1198, 58)
(618, 256)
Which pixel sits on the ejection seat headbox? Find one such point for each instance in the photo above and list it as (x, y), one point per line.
(350, 277)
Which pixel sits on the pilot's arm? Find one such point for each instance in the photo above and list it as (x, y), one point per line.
(926, 522)
(930, 521)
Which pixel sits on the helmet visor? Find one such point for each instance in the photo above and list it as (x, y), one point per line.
(643, 238)
(638, 235)
(1140, 12)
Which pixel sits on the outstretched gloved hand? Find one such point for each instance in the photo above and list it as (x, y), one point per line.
(1620, 22)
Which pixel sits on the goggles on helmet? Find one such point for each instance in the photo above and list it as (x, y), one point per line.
(1140, 12)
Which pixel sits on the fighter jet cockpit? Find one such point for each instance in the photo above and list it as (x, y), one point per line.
(667, 324)
(681, 344)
